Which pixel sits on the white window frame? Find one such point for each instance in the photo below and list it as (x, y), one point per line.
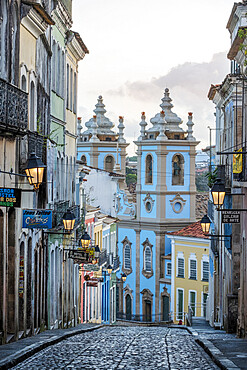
(127, 268)
(205, 258)
(177, 318)
(169, 263)
(145, 259)
(193, 258)
(180, 256)
(193, 291)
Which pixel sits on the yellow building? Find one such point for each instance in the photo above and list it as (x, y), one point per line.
(190, 272)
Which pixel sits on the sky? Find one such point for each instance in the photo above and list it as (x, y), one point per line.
(137, 48)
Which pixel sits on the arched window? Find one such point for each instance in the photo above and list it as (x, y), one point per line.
(178, 170)
(83, 159)
(149, 169)
(147, 269)
(109, 163)
(23, 83)
(147, 261)
(127, 257)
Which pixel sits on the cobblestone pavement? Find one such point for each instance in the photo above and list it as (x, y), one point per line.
(108, 348)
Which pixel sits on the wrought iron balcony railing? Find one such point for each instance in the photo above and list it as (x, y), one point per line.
(76, 210)
(102, 258)
(13, 109)
(116, 264)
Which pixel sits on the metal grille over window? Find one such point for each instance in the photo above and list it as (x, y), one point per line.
(148, 259)
(205, 271)
(180, 267)
(127, 256)
(193, 271)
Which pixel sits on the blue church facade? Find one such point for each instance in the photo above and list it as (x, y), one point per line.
(165, 202)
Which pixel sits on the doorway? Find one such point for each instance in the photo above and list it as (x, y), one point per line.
(148, 314)
(165, 312)
(128, 308)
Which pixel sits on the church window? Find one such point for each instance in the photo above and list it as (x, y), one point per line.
(177, 170)
(127, 257)
(84, 159)
(126, 267)
(148, 255)
(109, 163)
(147, 270)
(149, 169)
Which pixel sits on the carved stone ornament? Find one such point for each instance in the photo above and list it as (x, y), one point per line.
(177, 203)
(148, 202)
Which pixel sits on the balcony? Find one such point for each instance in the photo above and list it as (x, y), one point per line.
(13, 109)
(116, 264)
(102, 258)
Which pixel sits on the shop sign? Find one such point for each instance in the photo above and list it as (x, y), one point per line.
(237, 162)
(230, 217)
(10, 197)
(37, 219)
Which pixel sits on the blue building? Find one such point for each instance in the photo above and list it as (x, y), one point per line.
(165, 201)
(166, 194)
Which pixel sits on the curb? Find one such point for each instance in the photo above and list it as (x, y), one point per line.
(217, 356)
(30, 350)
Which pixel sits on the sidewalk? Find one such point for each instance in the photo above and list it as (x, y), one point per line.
(13, 353)
(227, 351)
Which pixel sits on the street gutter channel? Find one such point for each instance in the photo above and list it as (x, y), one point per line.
(29, 351)
(167, 352)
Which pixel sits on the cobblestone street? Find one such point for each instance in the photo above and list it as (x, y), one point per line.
(124, 348)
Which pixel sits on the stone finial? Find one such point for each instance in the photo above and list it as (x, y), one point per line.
(94, 126)
(79, 128)
(121, 128)
(190, 124)
(143, 125)
(162, 136)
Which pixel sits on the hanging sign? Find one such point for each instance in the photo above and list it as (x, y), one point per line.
(237, 162)
(37, 218)
(230, 217)
(21, 277)
(10, 197)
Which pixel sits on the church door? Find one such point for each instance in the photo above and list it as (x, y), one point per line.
(148, 310)
(165, 302)
(128, 307)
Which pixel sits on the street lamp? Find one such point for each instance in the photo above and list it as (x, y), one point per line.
(124, 277)
(85, 240)
(218, 192)
(35, 171)
(109, 269)
(69, 220)
(205, 224)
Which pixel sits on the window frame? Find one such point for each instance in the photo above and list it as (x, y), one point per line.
(126, 242)
(179, 257)
(192, 259)
(146, 175)
(147, 273)
(181, 176)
